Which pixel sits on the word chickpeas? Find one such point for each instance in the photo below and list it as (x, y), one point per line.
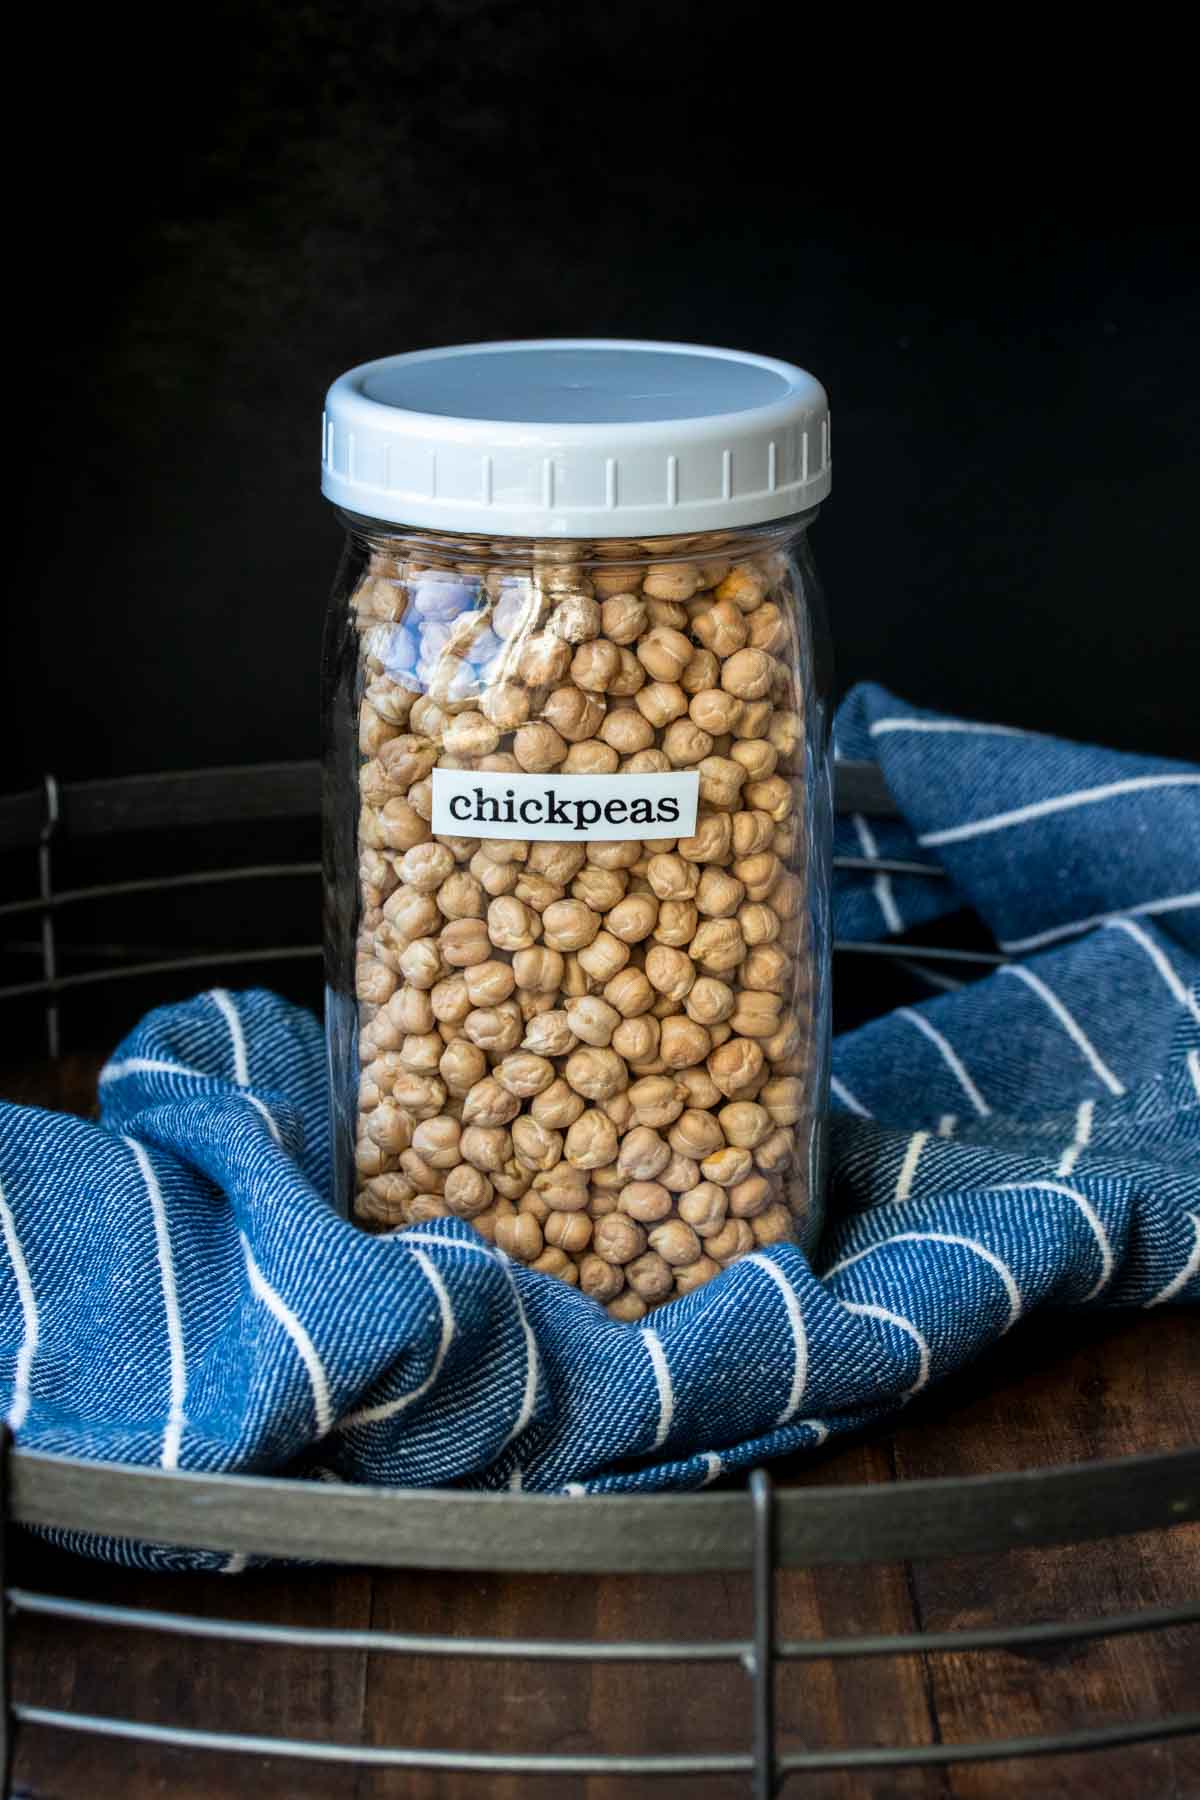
(601, 1047)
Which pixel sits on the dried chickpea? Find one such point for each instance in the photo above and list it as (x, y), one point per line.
(664, 653)
(745, 1124)
(728, 1166)
(486, 1147)
(718, 946)
(543, 661)
(712, 840)
(629, 993)
(734, 1239)
(618, 1238)
(633, 919)
(594, 665)
(753, 719)
(462, 1064)
(564, 1188)
(470, 734)
(604, 957)
(591, 1142)
(683, 1042)
(630, 677)
(519, 1236)
(494, 878)
(685, 744)
(642, 1154)
(601, 889)
(511, 924)
(626, 731)
(436, 1142)
(748, 1198)
(569, 925)
(535, 1147)
(721, 628)
(646, 762)
(616, 854)
(704, 1208)
(696, 1135)
(464, 942)
(538, 748)
(650, 1276)
(721, 782)
(506, 706)
(773, 796)
(745, 585)
(676, 1243)
(600, 1280)
(590, 758)
(660, 702)
(593, 1020)
(636, 1039)
(623, 618)
(773, 1226)
(678, 921)
(645, 1201)
(467, 1191)
(656, 1100)
(488, 1103)
(575, 619)
(524, 1074)
(756, 756)
(571, 1231)
(735, 1066)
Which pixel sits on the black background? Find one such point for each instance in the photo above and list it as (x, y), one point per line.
(986, 251)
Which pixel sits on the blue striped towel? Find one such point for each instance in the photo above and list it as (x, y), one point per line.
(176, 1290)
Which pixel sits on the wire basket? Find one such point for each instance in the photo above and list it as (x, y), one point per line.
(757, 1531)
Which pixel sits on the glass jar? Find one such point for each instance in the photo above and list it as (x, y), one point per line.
(578, 806)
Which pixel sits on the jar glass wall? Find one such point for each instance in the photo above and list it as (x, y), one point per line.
(610, 1055)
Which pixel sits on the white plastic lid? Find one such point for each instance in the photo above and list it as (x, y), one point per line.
(576, 437)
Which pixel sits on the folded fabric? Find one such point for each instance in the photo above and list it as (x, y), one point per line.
(177, 1291)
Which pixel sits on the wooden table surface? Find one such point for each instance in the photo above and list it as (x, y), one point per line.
(1062, 1388)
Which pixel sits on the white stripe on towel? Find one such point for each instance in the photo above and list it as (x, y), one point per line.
(1081, 1140)
(871, 1311)
(1107, 1260)
(882, 884)
(908, 1167)
(19, 1407)
(1069, 1023)
(953, 1061)
(843, 1093)
(147, 1065)
(237, 1037)
(1148, 909)
(662, 1381)
(1189, 1271)
(885, 725)
(387, 1409)
(944, 1237)
(795, 1319)
(279, 1309)
(1040, 809)
(1165, 968)
(532, 1362)
(176, 1418)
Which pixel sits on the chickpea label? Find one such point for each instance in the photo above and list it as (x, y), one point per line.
(479, 803)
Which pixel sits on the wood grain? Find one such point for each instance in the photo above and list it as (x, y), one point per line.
(1064, 1388)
